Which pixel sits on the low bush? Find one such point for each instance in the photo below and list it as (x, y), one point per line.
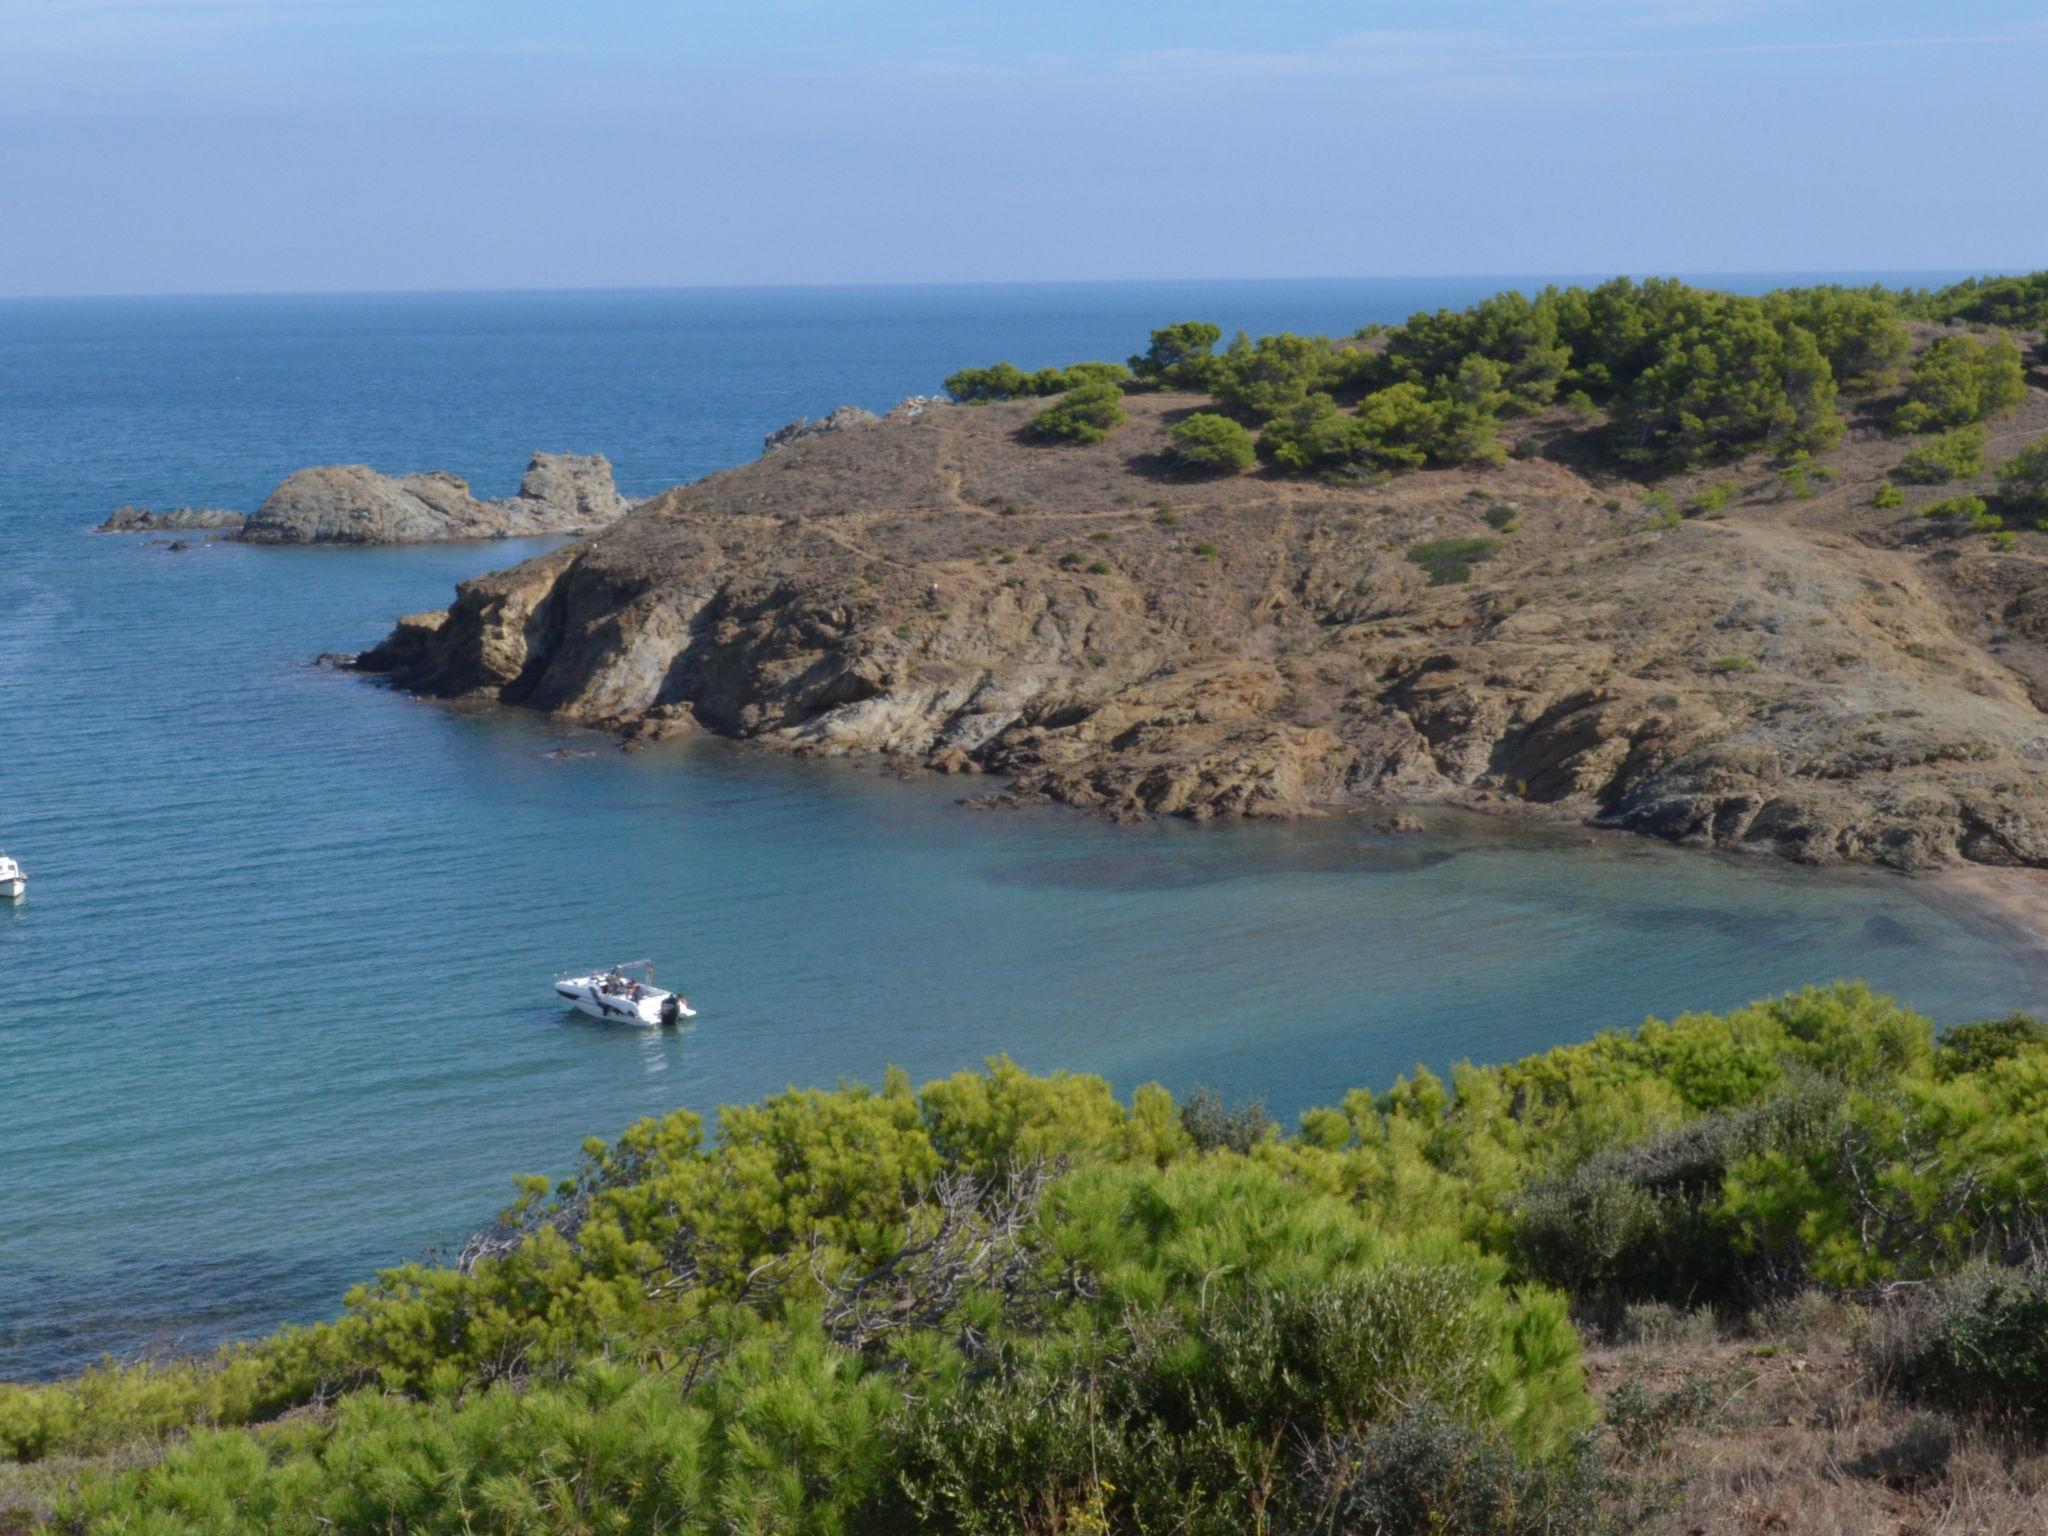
(1005, 1301)
(1960, 379)
(1976, 1342)
(1212, 443)
(1887, 496)
(2023, 483)
(1449, 561)
(1969, 513)
(1978, 1046)
(1212, 1125)
(1714, 497)
(1086, 414)
(1955, 455)
(1006, 381)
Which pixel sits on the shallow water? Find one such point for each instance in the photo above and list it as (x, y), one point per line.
(277, 1008)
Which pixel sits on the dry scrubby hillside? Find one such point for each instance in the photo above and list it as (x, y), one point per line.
(1811, 675)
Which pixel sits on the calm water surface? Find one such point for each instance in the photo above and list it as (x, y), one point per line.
(277, 1010)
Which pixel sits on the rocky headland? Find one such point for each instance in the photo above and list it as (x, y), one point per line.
(354, 504)
(1810, 677)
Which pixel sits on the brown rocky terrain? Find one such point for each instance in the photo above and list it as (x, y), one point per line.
(1814, 677)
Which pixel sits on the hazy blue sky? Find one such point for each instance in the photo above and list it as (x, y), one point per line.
(238, 145)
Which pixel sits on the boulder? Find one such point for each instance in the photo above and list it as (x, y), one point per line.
(354, 504)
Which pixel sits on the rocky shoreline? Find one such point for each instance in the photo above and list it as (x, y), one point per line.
(1810, 678)
(354, 504)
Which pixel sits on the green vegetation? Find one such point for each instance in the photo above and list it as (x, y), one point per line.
(1714, 497)
(2011, 303)
(1958, 380)
(1085, 414)
(1856, 329)
(1500, 518)
(1213, 443)
(1953, 455)
(1181, 356)
(1450, 561)
(1014, 1303)
(1675, 377)
(1005, 381)
(1969, 512)
(1736, 664)
(2023, 480)
(1887, 496)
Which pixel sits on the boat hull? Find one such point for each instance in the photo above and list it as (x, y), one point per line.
(13, 889)
(588, 997)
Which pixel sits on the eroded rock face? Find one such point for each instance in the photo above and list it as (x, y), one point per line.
(354, 504)
(1810, 679)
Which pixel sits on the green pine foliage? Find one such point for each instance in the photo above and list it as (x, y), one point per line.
(2023, 483)
(1006, 381)
(1212, 444)
(1087, 413)
(1181, 356)
(1960, 379)
(1952, 455)
(2009, 303)
(1012, 1302)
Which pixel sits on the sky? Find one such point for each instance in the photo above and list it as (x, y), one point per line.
(204, 146)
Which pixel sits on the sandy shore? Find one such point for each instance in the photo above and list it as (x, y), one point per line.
(2016, 898)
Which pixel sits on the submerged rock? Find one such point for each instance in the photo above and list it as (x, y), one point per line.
(175, 520)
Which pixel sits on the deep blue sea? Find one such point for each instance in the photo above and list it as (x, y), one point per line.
(277, 1011)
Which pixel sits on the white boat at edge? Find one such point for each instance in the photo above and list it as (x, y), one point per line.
(13, 883)
(621, 997)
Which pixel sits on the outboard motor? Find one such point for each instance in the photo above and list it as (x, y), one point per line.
(671, 1011)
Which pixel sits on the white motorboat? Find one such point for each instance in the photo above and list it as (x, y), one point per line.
(626, 994)
(13, 883)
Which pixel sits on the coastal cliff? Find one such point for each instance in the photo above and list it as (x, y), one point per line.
(1812, 677)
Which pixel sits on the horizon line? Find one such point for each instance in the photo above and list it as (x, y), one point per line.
(593, 289)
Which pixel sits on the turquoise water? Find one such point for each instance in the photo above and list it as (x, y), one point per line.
(277, 1009)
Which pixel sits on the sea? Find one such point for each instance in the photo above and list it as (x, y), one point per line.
(276, 1010)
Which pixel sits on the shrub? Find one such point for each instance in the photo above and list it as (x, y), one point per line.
(1315, 435)
(1887, 496)
(1181, 356)
(1978, 1343)
(1714, 497)
(1969, 512)
(1207, 441)
(1967, 1048)
(2014, 303)
(1275, 374)
(1006, 381)
(1205, 551)
(1958, 380)
(1856, 329)
(1500, 518)
(2023, 480)
(1210, 1124)
(1953, 455)
(1449, 561)
(1087, 414)
(1428, 1473)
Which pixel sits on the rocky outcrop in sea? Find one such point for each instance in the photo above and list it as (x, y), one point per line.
(355, 504)
(174, 520)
